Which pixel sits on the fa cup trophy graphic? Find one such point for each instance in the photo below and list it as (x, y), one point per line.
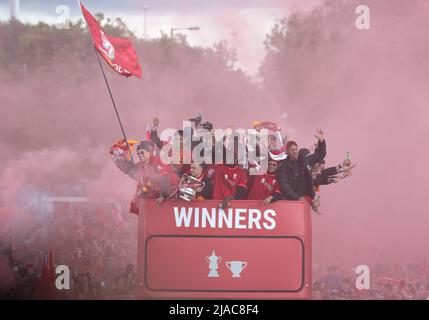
(213, 262)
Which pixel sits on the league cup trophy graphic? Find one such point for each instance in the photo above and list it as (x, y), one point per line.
(213, 262)
(188, 186)
(236, 267)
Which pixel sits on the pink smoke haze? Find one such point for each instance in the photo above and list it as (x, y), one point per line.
(367, 89)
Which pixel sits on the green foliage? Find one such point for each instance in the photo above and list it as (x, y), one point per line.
(54, 74)
(27, 48)
(298, 50)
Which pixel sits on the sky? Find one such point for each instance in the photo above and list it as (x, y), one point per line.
(243, 23)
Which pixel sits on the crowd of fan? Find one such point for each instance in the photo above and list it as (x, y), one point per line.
(99, 250)
(293, 173)
(386, 282)
(102, 255)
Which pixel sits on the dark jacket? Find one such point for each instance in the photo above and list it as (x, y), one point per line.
(324, 175)
(294, 176)
(208, 188)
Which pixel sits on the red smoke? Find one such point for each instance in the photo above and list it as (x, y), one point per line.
(365, 88)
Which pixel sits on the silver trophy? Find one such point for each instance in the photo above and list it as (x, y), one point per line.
(188, 186)
(213, 262)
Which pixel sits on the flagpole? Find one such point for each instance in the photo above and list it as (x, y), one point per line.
(108, 87)
(113, 102)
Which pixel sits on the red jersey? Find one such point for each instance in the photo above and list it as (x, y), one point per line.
(263, 186)
(226, 180)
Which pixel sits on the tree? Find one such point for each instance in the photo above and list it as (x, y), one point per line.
(296, 54)
(62, 87)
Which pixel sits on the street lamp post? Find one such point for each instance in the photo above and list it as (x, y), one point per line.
(14, 10)
(144, 22)
(188, 28)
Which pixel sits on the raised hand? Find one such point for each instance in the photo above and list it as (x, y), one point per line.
(267, 200)
(346, 163)
(315, 204)
(319, 135)
(346, 174)
(155, 122)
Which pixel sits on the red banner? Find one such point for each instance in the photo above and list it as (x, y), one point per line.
(119, 53)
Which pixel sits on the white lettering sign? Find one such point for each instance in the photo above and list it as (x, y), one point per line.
(231, 218)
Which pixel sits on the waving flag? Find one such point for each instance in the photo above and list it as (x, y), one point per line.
(119, 53)
(46, 284)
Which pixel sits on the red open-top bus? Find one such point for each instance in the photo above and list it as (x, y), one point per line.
(195, 250)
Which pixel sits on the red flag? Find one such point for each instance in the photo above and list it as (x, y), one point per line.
(148, 133)
(46, 285)
(119, 53)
